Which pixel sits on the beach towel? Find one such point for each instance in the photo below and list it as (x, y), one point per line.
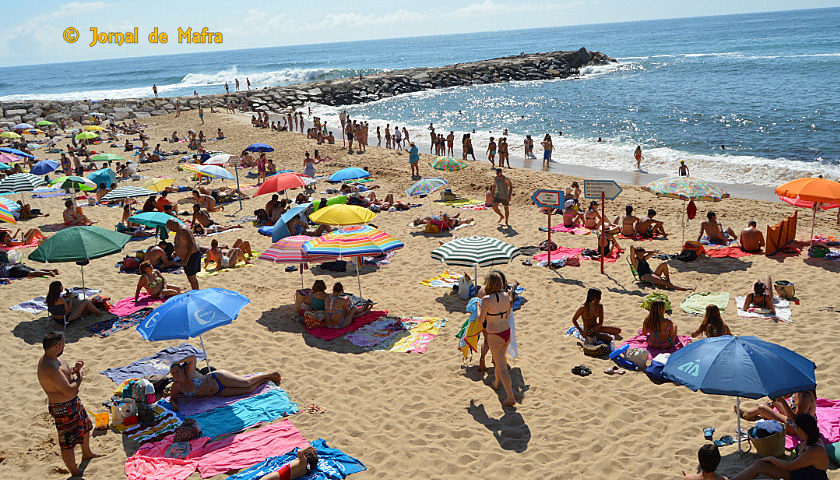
(469, 340)
(611, 257)
(697, 302)
(782, 306)
(248, 448)
(640, 341)
(828, 421)
(326, 333)
(705, 241)
(574, 333)
(333, 464)
(219, 233)
(127, 305)
(48, 195)
(460, 202)
(475, 207)
(558, 253)
(402, 335)
(33, 243)
(574, 230)
(106, 327)
(52, 227)
(245, 413)
(157, 364)
(722, 252)
(165, 422)
(445, 280)
(636, 237)
(189, 406)
(140, 467)
(39, 304)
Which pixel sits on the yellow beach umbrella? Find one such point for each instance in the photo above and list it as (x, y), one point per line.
(86, 136)
(93, 127)
(9, 135)
(158, 184)
(342, 215)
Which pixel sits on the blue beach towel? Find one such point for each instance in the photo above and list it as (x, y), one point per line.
(245, 413)
(157, 364)
(333, 464)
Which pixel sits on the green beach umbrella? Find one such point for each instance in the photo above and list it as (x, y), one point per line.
(75, 183)
(86, 136)
(475, 252)
(106, 157)
(447, 164)
(44, 123)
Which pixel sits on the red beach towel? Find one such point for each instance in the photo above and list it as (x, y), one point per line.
(732, 252)
(333, 333)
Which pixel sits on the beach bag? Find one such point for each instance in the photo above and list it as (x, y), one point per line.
(596, 350)
(638, 356)
(544, 246)
(464, 285)
(687, 256)
(124, 412)
(447, 195)
(654, 370)
(572, 261)
(818, 251)
(769, 446)
(314, 318)
(432, 227)
(785, 289)
(695, 246)
(189, 430)
(130, 264)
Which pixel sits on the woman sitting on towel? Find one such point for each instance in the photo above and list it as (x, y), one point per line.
(339, 311)
(571, 216)
(317, 300)
(761, 296)
(154, 283)
(810, 463)
(712, 325)
(66, 308)
(306, 462)
(496, 306)
(661, 331)
(220, 383)
(592, 314)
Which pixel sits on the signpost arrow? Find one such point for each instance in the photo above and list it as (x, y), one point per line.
(594, 189)
(549, 199)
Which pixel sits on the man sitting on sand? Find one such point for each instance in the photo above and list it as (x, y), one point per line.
(715, 231)
(203, 225)
(709, 458)
(219, 383)
(73, 217)
(647, 227)
(227, 259)
(752, 240)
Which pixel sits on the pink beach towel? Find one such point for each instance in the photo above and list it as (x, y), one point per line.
(828, 420)
(640, 341)
(33, 243)
(559, 252)
(576, 230)
(127, 306)
(612, 257)
(140, 467)
(333, 333)
(732, 252)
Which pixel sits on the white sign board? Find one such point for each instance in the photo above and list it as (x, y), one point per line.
(593, 188)
(548, 198)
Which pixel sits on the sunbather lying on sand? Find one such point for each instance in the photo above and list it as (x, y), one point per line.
(306, 462)
(228, 257)
(761, 296)
(449, 221)
(7, 239)
(220, 383)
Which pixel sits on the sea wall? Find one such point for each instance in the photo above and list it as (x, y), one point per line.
(341, 91)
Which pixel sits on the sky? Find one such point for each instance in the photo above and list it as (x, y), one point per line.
(32, 33)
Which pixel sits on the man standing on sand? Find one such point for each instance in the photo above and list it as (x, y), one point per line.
(61, 384)
(414, 160)
(348, 134)
(638, 156)
(201, 114)
(187, 250)
(450, 143)
(716, 232)
(177, 108)
(752, 240)
(342, 117)
(154, 89)
(502, 191)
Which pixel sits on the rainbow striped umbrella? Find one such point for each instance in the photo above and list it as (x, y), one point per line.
(354, 241)
(425, 186)
(685, 189)
(290, 250)
(6, 216)
(447, 164)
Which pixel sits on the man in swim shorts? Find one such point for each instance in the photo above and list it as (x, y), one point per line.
(752, 240)
(647, 227)
(715, 231)
(187, 250)
(502, 191)
(61, 384)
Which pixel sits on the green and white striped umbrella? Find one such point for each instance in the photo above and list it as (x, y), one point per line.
(475, 251)
(21, 182)
(120, 193)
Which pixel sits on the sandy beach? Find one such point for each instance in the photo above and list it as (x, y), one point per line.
(409, 415)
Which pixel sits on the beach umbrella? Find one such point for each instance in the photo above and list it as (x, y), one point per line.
(44, 167)
(447, 164)
(259, 147)
(343, 215)
(106, 157)
(33, 131)
(6, 216)
(215, 171)
(72, 182)
(191, 314)
(290, 250)
(94, 128)
(158, 184)
(740, 367)
(813, 193)
(86, 136)
(280, 183)
(281, 230)
(8, 203)
(3, 166)
(220, 159)
(44, 123)
(354, 241)
(120, 193)
(349, 173)
(80, 245)
(685, 189)
(15, 151)
(103, 175)
(425, 186)
(153, 219)
(11, 135)
(475, 252)
(21, 182)
(8, 158)
(22, 126)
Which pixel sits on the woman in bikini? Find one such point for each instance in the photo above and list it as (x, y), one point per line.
(592, 314)
(228, 259)
(761, 296)
(67, 308)
(661, 331)
(7, 238)
(810, 463)
(571, 216)
(591, 219)
(783, 409)
(712, 325)
(627, 222)
(659, 277)
(339, 312)
(154, 283)
(495, 310)
(220, 383)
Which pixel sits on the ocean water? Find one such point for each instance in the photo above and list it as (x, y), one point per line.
(764, 85)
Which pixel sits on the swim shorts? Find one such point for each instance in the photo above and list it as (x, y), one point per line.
(285, 472)
(193, 264)
(546, 154)
(503, 201)
(71, 421)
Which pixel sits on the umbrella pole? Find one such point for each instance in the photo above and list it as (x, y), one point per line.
(206, 358)
(475, 278)
(239, 192)
(813, 221)
(301, 275)
(83, 282)
(359, 275)
(738, 432)
(682, 222)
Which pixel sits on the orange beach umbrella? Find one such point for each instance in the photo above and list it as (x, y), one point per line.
(813, 193)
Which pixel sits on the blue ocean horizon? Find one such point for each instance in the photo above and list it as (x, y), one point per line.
(763, 84)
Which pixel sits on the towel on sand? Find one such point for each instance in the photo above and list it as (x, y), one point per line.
(398, 334)
(461, 202)
(558, 253)
(696, 302)
(445, 280)
(189, 406)
(640, 341)
(33, 243)
(705, 241)
(326, 333)
(106, 327)
(574, 229)
(828, 421)
(127, 305)
(39, 304)
(157, 364)
(245, 413)
(731, 252)
(333, 464)
(783, 312)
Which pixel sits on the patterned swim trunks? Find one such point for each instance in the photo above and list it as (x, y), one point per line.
(71, 421)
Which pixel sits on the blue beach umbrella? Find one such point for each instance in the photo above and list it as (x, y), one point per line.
(22, 126)
(741, 367)
(3, 166)
(192, 313)
(259, 147)
(215, 171)
(349, 173)
(281, 230)
(153, 219)
(15, 151)
(104, 175)
(44, 167)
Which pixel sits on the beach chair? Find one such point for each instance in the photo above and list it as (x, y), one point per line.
(636, 275)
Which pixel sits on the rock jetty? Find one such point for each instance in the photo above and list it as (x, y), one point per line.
(339, 91)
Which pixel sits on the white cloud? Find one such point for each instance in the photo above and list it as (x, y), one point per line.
(489, 8)
(44, 31)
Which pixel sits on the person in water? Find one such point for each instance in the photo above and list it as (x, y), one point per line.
(188, 382)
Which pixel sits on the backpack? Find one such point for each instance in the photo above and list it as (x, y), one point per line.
(687, 256)
(130, 264)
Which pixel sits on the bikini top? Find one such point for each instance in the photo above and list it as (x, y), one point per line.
(497, 314)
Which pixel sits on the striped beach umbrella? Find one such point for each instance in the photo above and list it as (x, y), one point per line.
(685, 189)
(21, 182)
(120, 193)
(8, 158)
(354, 241)
(447, 164)
(3, 166)
(8, 203)
(6, 216)
(426, 186)
(72, 182)
(475, 252)
(290, 250)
